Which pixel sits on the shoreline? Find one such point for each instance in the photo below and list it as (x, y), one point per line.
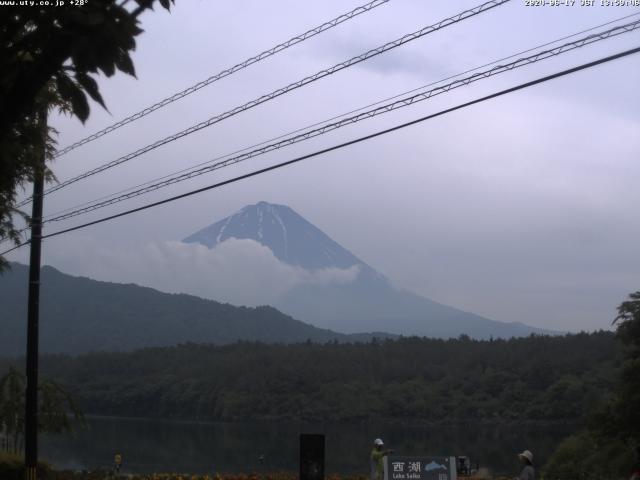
(380, 422)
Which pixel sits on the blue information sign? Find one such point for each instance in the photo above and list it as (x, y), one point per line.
(419, 468)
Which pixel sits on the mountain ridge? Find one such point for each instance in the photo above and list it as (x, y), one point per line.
(290, 237)
(79, 315)
(369, 303)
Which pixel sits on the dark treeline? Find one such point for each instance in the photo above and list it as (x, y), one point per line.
(527, 379)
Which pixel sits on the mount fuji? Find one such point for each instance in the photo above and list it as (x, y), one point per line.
(369, 303)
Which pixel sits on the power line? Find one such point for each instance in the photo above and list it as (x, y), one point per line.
(281, 91)
(404, 102)
(225, 73)
(346, 144)
(15, 248)
(298, 130)
(112, 198)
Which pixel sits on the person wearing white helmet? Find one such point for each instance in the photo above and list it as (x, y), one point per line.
(377, 459)
(528, 472)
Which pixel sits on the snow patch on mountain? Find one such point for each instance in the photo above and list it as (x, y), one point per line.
(367, 301)
(291, 238)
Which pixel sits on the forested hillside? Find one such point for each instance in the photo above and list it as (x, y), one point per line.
(410, 379)
(80, 315)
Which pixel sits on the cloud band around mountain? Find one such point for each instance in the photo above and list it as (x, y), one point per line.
(237, 271)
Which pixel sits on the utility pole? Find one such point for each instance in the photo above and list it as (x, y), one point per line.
(33, 314)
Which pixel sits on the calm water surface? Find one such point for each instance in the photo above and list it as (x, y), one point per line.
(149, 446)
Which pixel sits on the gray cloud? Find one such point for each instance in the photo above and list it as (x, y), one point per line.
(241, 272)
(520, 209)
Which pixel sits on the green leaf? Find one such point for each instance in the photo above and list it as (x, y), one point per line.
(71, 91)
(145, 4)
(65, 86)
(80, 105)
(91, 87)
(125, 64)
(107, 68)
(96, 18)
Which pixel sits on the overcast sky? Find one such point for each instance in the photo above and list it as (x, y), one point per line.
(519, 209)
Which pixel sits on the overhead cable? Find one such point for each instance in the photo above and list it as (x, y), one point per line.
(225, 73)
(521, 86)
(335, 117)
(395, 105)
(281, 91)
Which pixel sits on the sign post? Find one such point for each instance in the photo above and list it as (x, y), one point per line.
(311, 457)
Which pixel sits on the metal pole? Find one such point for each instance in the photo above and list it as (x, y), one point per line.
(31, 404)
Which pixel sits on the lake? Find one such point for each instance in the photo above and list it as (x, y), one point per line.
(151, 445)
